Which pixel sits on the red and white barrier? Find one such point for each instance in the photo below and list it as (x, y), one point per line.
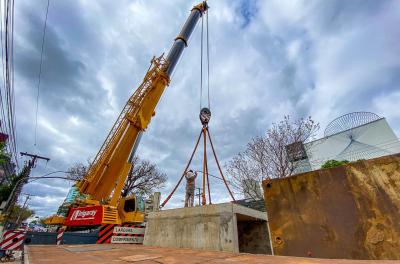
(60, 233)
(13, 240)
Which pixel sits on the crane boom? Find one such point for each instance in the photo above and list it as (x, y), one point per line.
(109, 169)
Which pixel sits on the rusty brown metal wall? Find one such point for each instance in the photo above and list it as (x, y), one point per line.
(351, 211)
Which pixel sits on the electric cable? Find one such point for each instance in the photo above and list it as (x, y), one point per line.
(3, 126)
(7, 97)
(40, 69)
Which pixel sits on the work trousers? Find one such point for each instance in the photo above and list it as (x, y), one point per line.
(189, 198)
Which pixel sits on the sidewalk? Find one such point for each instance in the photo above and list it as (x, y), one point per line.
(112, 254)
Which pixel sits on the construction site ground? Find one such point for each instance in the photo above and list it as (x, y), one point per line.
(88, 254)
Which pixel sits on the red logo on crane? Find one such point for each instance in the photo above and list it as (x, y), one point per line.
(90, 215)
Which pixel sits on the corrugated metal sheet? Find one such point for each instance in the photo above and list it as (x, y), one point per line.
(50, 238)
(351, 211)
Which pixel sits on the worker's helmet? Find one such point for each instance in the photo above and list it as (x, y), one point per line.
(190, 170)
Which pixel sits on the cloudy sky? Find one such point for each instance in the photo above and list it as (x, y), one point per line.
(268, 59)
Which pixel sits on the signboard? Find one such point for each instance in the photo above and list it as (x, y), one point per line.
(128, 234)
(83, 216)
(127, 239)
(128, 230)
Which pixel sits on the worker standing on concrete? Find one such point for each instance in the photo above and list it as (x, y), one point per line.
(190, 187)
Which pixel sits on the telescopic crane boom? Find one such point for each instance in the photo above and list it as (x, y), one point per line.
(110, 168)
(107, 174)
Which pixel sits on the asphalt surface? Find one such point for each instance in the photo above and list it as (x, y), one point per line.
(112, 254)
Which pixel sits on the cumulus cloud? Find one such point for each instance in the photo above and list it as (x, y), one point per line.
(268, 59)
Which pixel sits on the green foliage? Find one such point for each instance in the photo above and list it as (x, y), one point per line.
(334, 163)
(4, 156)
(6, 189)
(17, 210)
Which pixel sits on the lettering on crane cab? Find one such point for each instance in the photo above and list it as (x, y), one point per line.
(83, 215)
(90, 215)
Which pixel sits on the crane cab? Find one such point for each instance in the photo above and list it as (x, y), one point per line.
(131, 209)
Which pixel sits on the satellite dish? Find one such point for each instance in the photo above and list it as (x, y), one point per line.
(348, 129)
(349, 121)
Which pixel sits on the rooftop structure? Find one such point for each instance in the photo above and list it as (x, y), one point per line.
(352, 137)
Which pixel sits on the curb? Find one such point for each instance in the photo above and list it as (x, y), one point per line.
(25, 256)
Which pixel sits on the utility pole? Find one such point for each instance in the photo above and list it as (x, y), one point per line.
(23, 175)
(28, 196)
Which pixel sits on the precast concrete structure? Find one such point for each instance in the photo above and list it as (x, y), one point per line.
(222, 227)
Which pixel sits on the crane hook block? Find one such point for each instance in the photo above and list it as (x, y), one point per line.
(205, 116)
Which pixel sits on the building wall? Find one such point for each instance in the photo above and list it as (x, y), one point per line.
(351, 211)
(375, 139)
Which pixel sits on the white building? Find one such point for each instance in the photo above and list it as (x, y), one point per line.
(354, 136)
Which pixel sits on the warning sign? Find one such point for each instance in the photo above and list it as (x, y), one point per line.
(129, 230)
(127, 239)
(127, 233)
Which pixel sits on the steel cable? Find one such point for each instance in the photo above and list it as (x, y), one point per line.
(208, 65)
(201, 62)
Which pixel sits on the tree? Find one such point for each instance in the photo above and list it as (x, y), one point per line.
(266, 157)
(143, 178)
(7, 188)
(334, 163)
(4, 156)
(78, 171)
(18, 212)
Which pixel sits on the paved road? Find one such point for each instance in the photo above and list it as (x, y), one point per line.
(113, 254)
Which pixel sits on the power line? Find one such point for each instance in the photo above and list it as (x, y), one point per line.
(7, 96)
(40, 69)
(3, 126)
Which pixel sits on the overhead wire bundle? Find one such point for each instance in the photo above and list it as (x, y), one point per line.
(7, 96)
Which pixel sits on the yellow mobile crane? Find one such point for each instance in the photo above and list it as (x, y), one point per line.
(106, 176)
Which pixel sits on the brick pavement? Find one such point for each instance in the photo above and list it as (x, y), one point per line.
(114, 254)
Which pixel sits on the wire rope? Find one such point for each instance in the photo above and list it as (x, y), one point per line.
(201, 61)
(208, 64)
